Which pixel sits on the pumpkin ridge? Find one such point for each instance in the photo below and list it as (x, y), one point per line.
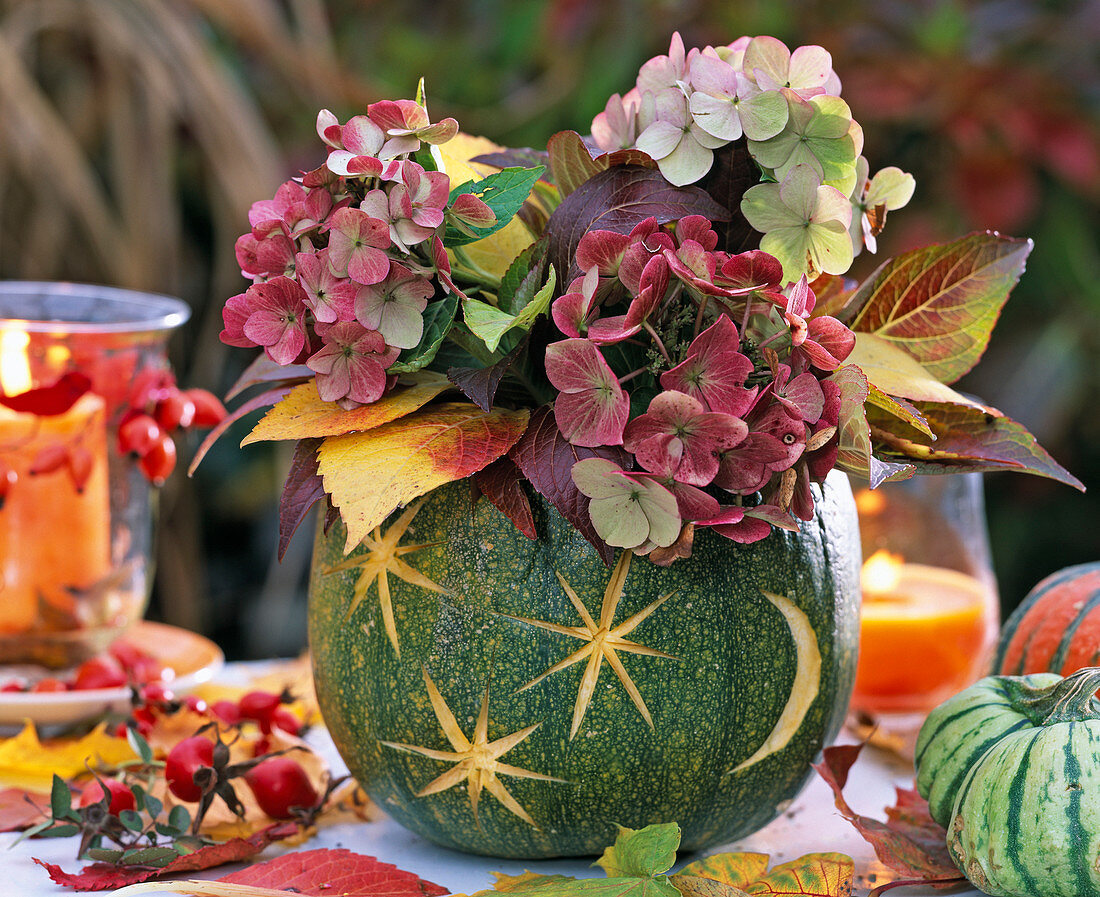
(1059, 659)
(1078, 836)
(1015, 809)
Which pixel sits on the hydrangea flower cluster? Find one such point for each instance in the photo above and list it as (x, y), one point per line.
(344, 259)
(744, 409)
(676, 382)
(819, 209)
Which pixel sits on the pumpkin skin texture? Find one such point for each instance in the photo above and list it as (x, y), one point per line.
(1026, 821)
(1056, 628)
(514, 724)
(961, 729)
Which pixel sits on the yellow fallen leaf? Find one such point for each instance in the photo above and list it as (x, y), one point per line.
(736, 869)
(897, 373)
(303, 414)
(371, 474)
(496, 252)
(28, 763)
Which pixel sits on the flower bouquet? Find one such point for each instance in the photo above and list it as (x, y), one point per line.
(641, 340)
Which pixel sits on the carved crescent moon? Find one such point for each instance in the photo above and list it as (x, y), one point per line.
(806, 685)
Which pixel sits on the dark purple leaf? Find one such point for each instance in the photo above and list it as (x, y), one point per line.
(574, 162)
(617, 200)
(480, 384)
(263, 400)
(501, 483)
(514, 157)
(264, 370)
(301, 491)
(732, 173)
(547, 458)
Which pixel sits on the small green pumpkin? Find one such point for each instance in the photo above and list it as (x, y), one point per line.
(1026, 820)
(961, 729)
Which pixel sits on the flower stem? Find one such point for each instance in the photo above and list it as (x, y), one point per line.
(699, 316)
(626, 377)
(657, 341)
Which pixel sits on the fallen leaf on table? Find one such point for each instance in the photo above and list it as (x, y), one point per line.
(107, 876)
(909, 842)
(637, 859)
(29, 763)
(812, 875)
(20, 809)
(314, 873)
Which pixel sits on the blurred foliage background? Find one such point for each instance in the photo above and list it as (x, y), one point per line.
(134, 135)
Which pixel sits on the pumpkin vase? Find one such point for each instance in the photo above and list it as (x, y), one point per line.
(521, 698)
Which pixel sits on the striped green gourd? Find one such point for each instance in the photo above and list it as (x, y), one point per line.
(1057, 626)
(960, 730)
(1026, 821)
(519, 698)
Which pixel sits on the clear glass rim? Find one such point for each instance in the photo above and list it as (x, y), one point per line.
(150, 312)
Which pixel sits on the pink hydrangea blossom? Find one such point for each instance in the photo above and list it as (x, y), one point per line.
(355, 245)
(329, 297)
(277, 318)
(351, 364)
(395, 306)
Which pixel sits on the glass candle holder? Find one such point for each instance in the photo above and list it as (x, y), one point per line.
(77, 515)
(930, 612)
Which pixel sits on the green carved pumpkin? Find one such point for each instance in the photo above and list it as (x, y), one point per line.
(519, 698)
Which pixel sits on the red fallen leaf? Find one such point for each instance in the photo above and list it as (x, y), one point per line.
(326, 872)
(910, 842)
(18, 809)
(500, 483)
(107, 876)
(50, 400)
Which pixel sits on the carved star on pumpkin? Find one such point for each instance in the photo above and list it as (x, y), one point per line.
(602, 642)
(478, 761)
(383, 557)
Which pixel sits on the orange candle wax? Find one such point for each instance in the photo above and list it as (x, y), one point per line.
(925, 633)
(54, 537)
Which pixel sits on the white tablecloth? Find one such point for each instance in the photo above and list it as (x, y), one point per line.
(812, 824)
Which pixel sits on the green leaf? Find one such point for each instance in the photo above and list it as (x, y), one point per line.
(647, 851)
(438, 318)
(61, 798)
(939, 304)
(490, 323)
(154, 806)
(899, 408)
(140, 745)
(179, 818)
(103, 854)
(60, 831)
(503, 191)
(131, 820)
(148, 856)
(521, 281)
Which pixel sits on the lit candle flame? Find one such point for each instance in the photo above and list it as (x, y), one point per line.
(15, 367)
(881, 572)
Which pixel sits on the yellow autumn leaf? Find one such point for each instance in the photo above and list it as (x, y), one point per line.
(29, 763)
(368, 475)
(303, 414)
(897, 373)
(812, 875)
(497, 251)
(735, 869)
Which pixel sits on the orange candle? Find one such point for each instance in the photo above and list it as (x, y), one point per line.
(925, 633)
(54, 521)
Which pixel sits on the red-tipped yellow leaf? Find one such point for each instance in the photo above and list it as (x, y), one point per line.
(813, 875)
(303, 414)
(368, 475)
